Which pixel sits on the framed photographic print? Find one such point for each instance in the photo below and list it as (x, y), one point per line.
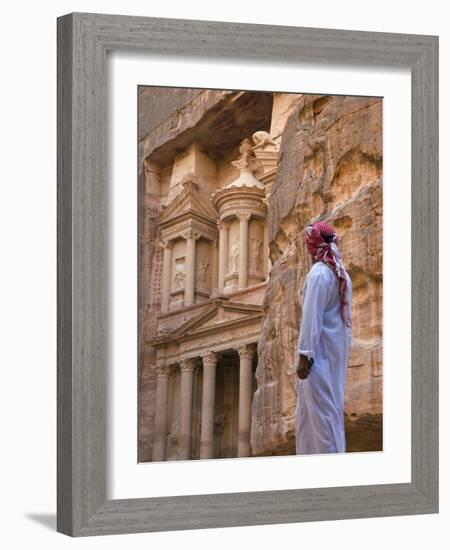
(247, 274)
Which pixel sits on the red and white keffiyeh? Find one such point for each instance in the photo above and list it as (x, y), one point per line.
(321, 241)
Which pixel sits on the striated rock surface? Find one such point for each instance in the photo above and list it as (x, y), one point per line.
(161, 103)
(150, 269)
(330, 167)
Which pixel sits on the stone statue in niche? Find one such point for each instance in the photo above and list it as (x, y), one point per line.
(234, 257)
(255, 254)
(180, 273)
(202, 270)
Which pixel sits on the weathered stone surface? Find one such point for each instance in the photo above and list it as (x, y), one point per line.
(330, 167)
(217, 120)
(150, 265)
(161, 102)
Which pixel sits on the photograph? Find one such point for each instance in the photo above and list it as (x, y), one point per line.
(260, 273)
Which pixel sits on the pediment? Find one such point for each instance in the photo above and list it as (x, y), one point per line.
(188, 202)
(221, 313)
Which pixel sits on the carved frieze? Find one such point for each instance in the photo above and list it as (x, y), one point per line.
(209, 231)
(228, 338)
(231, 201)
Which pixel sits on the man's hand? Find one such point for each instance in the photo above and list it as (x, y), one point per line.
(302, 368)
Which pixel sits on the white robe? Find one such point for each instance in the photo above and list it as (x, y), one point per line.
(324, 336)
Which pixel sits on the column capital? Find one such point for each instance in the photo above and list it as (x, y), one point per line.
(221, 224)
(162, 369)
(188, 364)
(246, 352)
(243, 216)
(166, 243)
(209, 359)
(191, 234)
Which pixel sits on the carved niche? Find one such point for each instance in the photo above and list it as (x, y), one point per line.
(204, 276)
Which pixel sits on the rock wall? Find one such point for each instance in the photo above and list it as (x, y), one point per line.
(161, 103)
(330, 168)
(150, 269)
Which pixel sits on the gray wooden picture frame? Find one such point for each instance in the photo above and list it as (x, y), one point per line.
(83, 41)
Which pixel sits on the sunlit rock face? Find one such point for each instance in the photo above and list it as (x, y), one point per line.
(330, 168)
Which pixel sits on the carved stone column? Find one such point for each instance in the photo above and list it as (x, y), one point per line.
(243, 249)
(166, 274)
(162, 386)
(208, 404)
(189, 290)
(245, 399)
(215, 262)
(223, 253)
(184, 438)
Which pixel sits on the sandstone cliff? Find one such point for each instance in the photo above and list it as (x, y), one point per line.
(330, 167)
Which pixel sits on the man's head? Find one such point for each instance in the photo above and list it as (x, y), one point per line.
(321, 241)
(318, 237)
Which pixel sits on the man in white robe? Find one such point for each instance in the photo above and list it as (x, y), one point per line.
(323, 346)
